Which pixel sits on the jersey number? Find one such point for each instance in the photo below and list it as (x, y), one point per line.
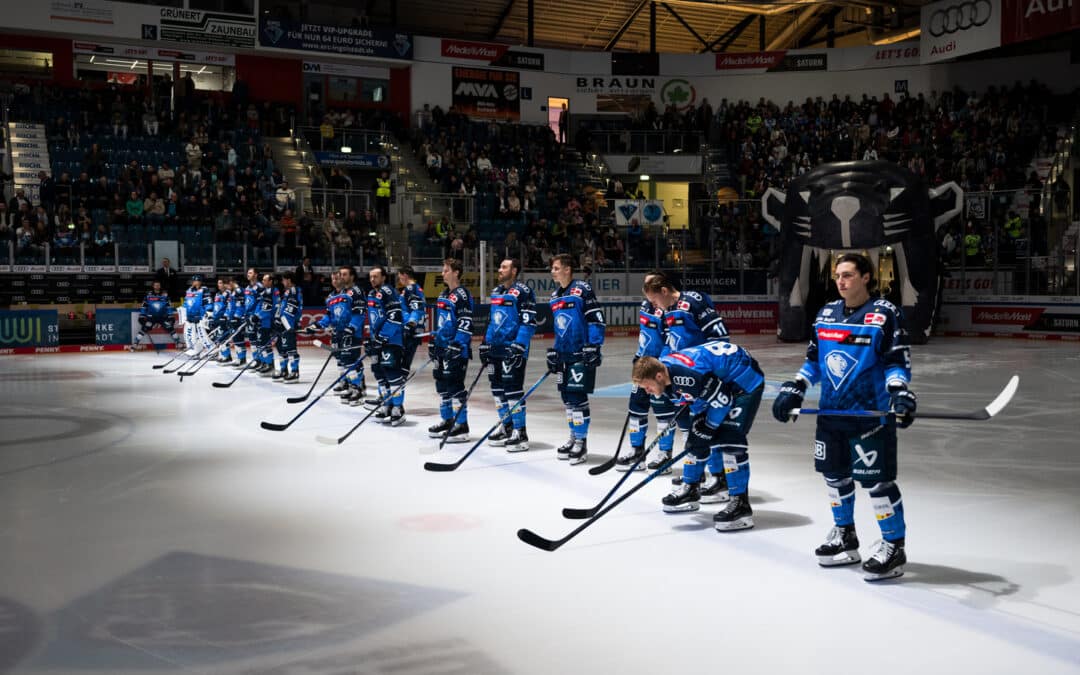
(721, 348)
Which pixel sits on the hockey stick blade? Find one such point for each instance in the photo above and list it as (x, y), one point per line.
(272, 426)
(327, 440)
(606, 466)
(435, 466)
(533, 539)
(579, 514)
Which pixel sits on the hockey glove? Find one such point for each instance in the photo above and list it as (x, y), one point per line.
(454, 351)
(432, 352)
(552, 360)
(310, 329)
(903, 405)
(790, 398)
(410, 329)
(375, 343)
(515, 355)
(590, 355)
(253, 321)
(485, 353)
(701, 434)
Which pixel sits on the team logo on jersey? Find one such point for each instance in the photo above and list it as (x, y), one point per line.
(874, 319)
(575, 291)
(827, 311)
(868, 458)
(562, 322)
(832, 334)
(683, 359)
(838, 365)
(683, 305)
(514, 292)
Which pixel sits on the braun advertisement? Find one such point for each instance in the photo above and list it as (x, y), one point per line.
(492, 94)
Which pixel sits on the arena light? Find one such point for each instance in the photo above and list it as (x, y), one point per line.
(346, 148)
(643, 177)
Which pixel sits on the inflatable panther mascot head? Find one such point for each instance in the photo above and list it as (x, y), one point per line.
(858, 206)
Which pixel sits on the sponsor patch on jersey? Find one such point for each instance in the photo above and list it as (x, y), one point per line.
(683, 359)
(514, 292)
(683, 305)
(859, 340)
(874, 319)
(683, 380)
(838, 365)
(561, 304)
(832, 334)
(575, 291)
(827, 311)
(498, 300)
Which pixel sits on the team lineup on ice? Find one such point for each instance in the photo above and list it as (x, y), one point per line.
(686, 371)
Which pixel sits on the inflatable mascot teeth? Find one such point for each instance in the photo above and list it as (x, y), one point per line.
(861, 206)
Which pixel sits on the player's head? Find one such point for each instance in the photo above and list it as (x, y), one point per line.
(221, 285)
(562, 269)
(196, 280)
(267, 280)
(509, 270)
(854, 277)
(406, 275)
(288, 279)
(252, 275)
(347, 276)
(659, 290)
(377, 276)
(651, 375)
(451, 272)
(157, 287)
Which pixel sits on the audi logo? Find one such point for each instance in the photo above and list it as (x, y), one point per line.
(683, 381)
(960, 17)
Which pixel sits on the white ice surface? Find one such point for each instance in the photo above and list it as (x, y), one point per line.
(149, 525)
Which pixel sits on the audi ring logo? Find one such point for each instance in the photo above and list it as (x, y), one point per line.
(960, 17)
(683, 381)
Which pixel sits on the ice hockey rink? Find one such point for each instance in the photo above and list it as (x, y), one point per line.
(149, 525)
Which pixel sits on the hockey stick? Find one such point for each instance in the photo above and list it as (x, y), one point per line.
(247, 366)
(194, 358)
(468, 394)
(991, 409)
(273, 426)
(211, 351)
(326, 440)
(159, 366)
(580, 514)
(533, 539)
(301, 399)
(435, 466)
(606, 466)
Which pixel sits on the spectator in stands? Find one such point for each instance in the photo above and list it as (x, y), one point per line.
(134, 208)
(194, 154)
(284, 197)
(289, 230)
(94, 161)
(308, 281)
(103, 242)
(167, 276)
(382, 197)
(5, 218)
(19, 201)
(564, 123)
(154, 209)
(25, 244)
(46, 191)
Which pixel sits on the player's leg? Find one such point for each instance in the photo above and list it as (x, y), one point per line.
(502, 407)
(513, 382)
(637, 428)
(580, 381)
(874, 467)
(459, 433)
(292, 354)
(446, 405)
(733, 445)
(393, 410)
(832, 459)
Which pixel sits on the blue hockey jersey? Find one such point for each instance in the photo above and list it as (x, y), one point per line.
(414, 306)
(692, 321)
(650, 340)
(289, 309)
(251, 298)
(856, 355)
(384, 314)
(156, 306)
(266, 305)
(220, 304)
(512, 317)
(711, 375)
(578, 319)
(197, 301)
(454, 318)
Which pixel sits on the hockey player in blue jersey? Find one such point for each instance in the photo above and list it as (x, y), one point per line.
(155, 311)
(723, 384)
(650, 343)
(246, 312)
(386, 347)
(219, 318)
(234, 308)
(575, 356)
(263, 318)
(689, 319)
(860, 355)
(198, 302)
(414, 314)
(286, 319)
(346, 315)
(505, 352)
(451, 349)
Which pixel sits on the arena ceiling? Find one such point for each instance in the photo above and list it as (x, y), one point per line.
(682, 26)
